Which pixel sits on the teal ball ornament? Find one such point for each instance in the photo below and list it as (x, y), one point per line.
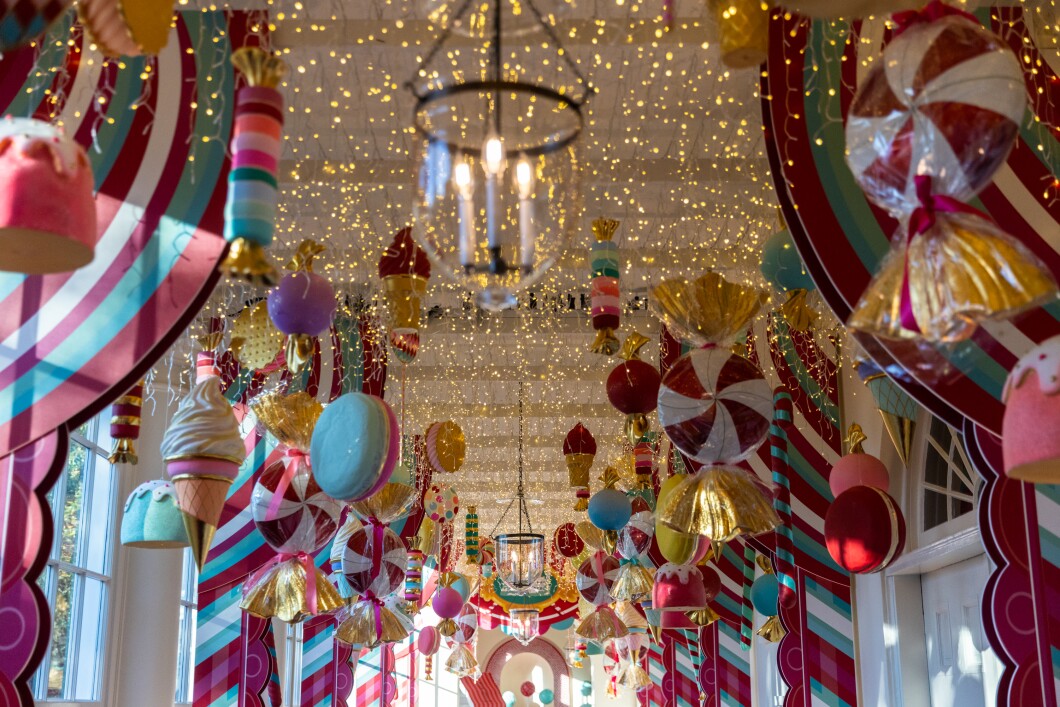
(462, 587)
(546, 696)
(610, 509)
(152, 518)
(765, 594)
(355, 448)
(782, 266)
(587, 689)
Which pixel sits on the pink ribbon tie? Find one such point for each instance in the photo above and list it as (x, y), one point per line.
(292, 457)
(310, 577)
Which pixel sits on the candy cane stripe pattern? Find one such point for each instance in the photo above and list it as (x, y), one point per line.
(361, 557)
(946, 102)
(595, 578)
(715, 406)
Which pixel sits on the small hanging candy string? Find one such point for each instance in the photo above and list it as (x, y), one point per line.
(780, 466)
(934, 10)
(921, 221)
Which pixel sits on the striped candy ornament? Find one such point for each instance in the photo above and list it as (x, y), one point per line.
(125, 425)
(606, 309)
(778, 451)
(746, 607)
(414, 576)
(715, 406)
(250, 210)
(471, 535)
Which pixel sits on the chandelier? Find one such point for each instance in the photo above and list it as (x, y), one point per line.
(497, 198)
(519, 557)
(525, 624)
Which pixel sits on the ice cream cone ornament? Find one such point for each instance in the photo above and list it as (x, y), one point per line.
(303, 306)
(579, 450)
(405, 270)
(250, 211)
(202, 450)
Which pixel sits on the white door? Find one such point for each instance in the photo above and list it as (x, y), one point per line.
(962, 668)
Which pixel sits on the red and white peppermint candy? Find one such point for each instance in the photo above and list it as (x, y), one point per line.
(375, 560)
(945, 101)
(303, 519)
(466, 624)
(595, 578)
(715, 406)
(635, 537)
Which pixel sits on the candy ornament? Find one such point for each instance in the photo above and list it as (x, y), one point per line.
(202, 450)
(864, 530)
(125, 425)
(471, 535)
(404, 269)
(743, 31)
(721, 503)
(633, 387)
(1030, 439)
(857, 468)
(678, 548)
(921, 142)
(446, 447)
(609, 509)
(441, 504)
(579, 450)
(152, 519)
(429, 640)
(355, 447)
(605, 301)
(898, 410)
(250, 210)
(41, 167)
(765, 598)
(634, 580)
(127, 27)
(447, 603)
(567, 541)
(302, 306)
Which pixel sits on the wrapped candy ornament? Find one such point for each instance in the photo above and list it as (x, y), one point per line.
(250, 209)
(125, 425)
(610, 509)
(447, 603)
(202, 450)
(294, 516)
(356, 445)
(594, 580)
(743, 31)
(633, 387)
(634, 580)
(604, 293)
(446, 446)
(41, 167)
(302, 306)
(765, 597)
(927, 130)
(579, 450)
(404, 269)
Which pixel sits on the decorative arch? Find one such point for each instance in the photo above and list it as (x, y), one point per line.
(540, 647)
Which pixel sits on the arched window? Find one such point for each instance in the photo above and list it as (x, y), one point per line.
(948, 484)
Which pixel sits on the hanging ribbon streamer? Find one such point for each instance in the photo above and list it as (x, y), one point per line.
(781, 468)
(604, 291)
(125, 425)
(747, 608)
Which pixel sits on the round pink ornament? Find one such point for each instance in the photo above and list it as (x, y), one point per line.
(447, 602)
(428, 641)
(858, 470)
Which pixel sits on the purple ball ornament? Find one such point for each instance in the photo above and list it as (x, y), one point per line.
(302, 306)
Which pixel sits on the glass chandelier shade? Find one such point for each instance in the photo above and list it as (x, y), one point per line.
(520, 561)
(498, 197)
(525, 625)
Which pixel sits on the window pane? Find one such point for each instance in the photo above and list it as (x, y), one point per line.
(186, 655)
(190, 585)
(959, 507)
(100, 518)
(61, 627)
(102, 434)
(934, 509)
(71, 518)
(92, 630)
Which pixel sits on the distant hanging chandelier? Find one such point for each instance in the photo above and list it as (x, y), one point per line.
(498, 196)
(525, 624)
(519, 557)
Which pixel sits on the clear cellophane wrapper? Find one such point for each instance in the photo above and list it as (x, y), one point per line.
(602, 625)
(371, 622)
(388, 504)
(592, 536)
(633, 676)
(634, 582)
(721, 503)
(961, 271)
(707, 310)
(628, 615)
(288, 418)
(461, 661)
(278, 590)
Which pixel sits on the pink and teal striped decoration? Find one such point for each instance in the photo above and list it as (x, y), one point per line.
(725, 674)
(327, 673)
(74, 341)
(653, 656)
(811, 77)
(680, 685)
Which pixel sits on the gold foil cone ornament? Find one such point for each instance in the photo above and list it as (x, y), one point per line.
(461, 662)
(797, 313)
(720, 503)
(578, 466)
(634, 582)
(602, 625)
(964, 270)
(259, 67)
(610, 541)
(279, 591)
(255, 339)
(632, 345)
(854, 439)
(901, 430)
(360, 624)
(288, 418)
(772, 630)
(447, 628)
(388, 504)
(707, 310)
(703, 617)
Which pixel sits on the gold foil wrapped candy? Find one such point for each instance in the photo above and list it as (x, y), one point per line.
(461, 662)
(634, 677)
(388, 504)
(772, 630)
(278, 590)
(707, 310)
(288, 418)
(371, 623)
(721, 503)
(602, 625)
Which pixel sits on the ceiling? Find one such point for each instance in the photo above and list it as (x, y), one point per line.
(673, 148)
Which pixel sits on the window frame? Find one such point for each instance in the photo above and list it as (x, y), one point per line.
(187, 631)
(92, 440)
(926, 537)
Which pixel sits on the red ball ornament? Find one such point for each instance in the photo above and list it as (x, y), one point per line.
(567, 541)
(527, 688)
(711, 582)
(633, 387)
(864, 530)
(858, 470)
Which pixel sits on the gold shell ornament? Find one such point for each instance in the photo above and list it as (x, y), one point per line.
(721, 503)
(288, 418)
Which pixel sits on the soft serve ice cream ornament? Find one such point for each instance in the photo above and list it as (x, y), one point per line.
(202, 450)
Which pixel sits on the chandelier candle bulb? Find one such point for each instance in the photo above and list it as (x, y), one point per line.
(524, 178)
(465, 186)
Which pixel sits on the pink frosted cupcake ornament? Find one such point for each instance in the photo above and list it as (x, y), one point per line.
(1030, 426)
(47, 210)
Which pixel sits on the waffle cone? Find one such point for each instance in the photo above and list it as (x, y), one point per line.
(201, 499)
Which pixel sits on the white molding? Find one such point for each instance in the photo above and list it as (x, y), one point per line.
(958, 547)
